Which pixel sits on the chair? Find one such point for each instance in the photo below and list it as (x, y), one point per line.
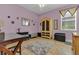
(11, 50)
(5, 50)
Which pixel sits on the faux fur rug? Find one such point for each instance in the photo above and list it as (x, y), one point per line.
(39, 48)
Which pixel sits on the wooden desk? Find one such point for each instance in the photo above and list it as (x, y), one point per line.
(75, 44)
(4, 43)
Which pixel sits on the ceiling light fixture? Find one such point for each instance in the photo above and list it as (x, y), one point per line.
(41, 5)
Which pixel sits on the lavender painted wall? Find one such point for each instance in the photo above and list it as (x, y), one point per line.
(17, 11)
(54, 14)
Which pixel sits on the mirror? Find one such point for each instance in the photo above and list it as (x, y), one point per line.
(25, 21)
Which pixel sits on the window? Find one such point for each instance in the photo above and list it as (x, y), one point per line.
(68, 22)
(25, 21)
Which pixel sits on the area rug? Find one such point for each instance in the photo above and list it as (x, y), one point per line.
(39, 47)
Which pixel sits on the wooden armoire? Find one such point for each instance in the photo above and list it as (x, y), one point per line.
(47, 27)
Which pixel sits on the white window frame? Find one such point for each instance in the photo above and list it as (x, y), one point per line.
(70, 20)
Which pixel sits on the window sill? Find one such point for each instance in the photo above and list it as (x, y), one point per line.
(69, 29)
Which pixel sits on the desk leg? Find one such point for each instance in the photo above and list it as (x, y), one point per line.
(20, 49)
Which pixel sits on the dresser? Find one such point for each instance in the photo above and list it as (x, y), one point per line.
(75, 43)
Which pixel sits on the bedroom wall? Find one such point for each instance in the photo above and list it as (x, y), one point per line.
(15, 11)
(54, 14)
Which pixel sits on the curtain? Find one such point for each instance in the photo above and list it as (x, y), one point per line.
(71, 11)
(63, 12)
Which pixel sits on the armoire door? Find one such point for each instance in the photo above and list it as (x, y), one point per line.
(43, 25)
(47, 25)
(43, 28)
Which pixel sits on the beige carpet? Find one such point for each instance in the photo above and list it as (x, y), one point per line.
(56, 47)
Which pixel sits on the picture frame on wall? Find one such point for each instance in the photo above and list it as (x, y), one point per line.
(56, 24)
(25, 21)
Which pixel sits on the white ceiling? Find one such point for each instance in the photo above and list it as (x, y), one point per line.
(36, 9)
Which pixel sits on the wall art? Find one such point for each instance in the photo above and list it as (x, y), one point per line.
(55, 24)
(25, 21)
